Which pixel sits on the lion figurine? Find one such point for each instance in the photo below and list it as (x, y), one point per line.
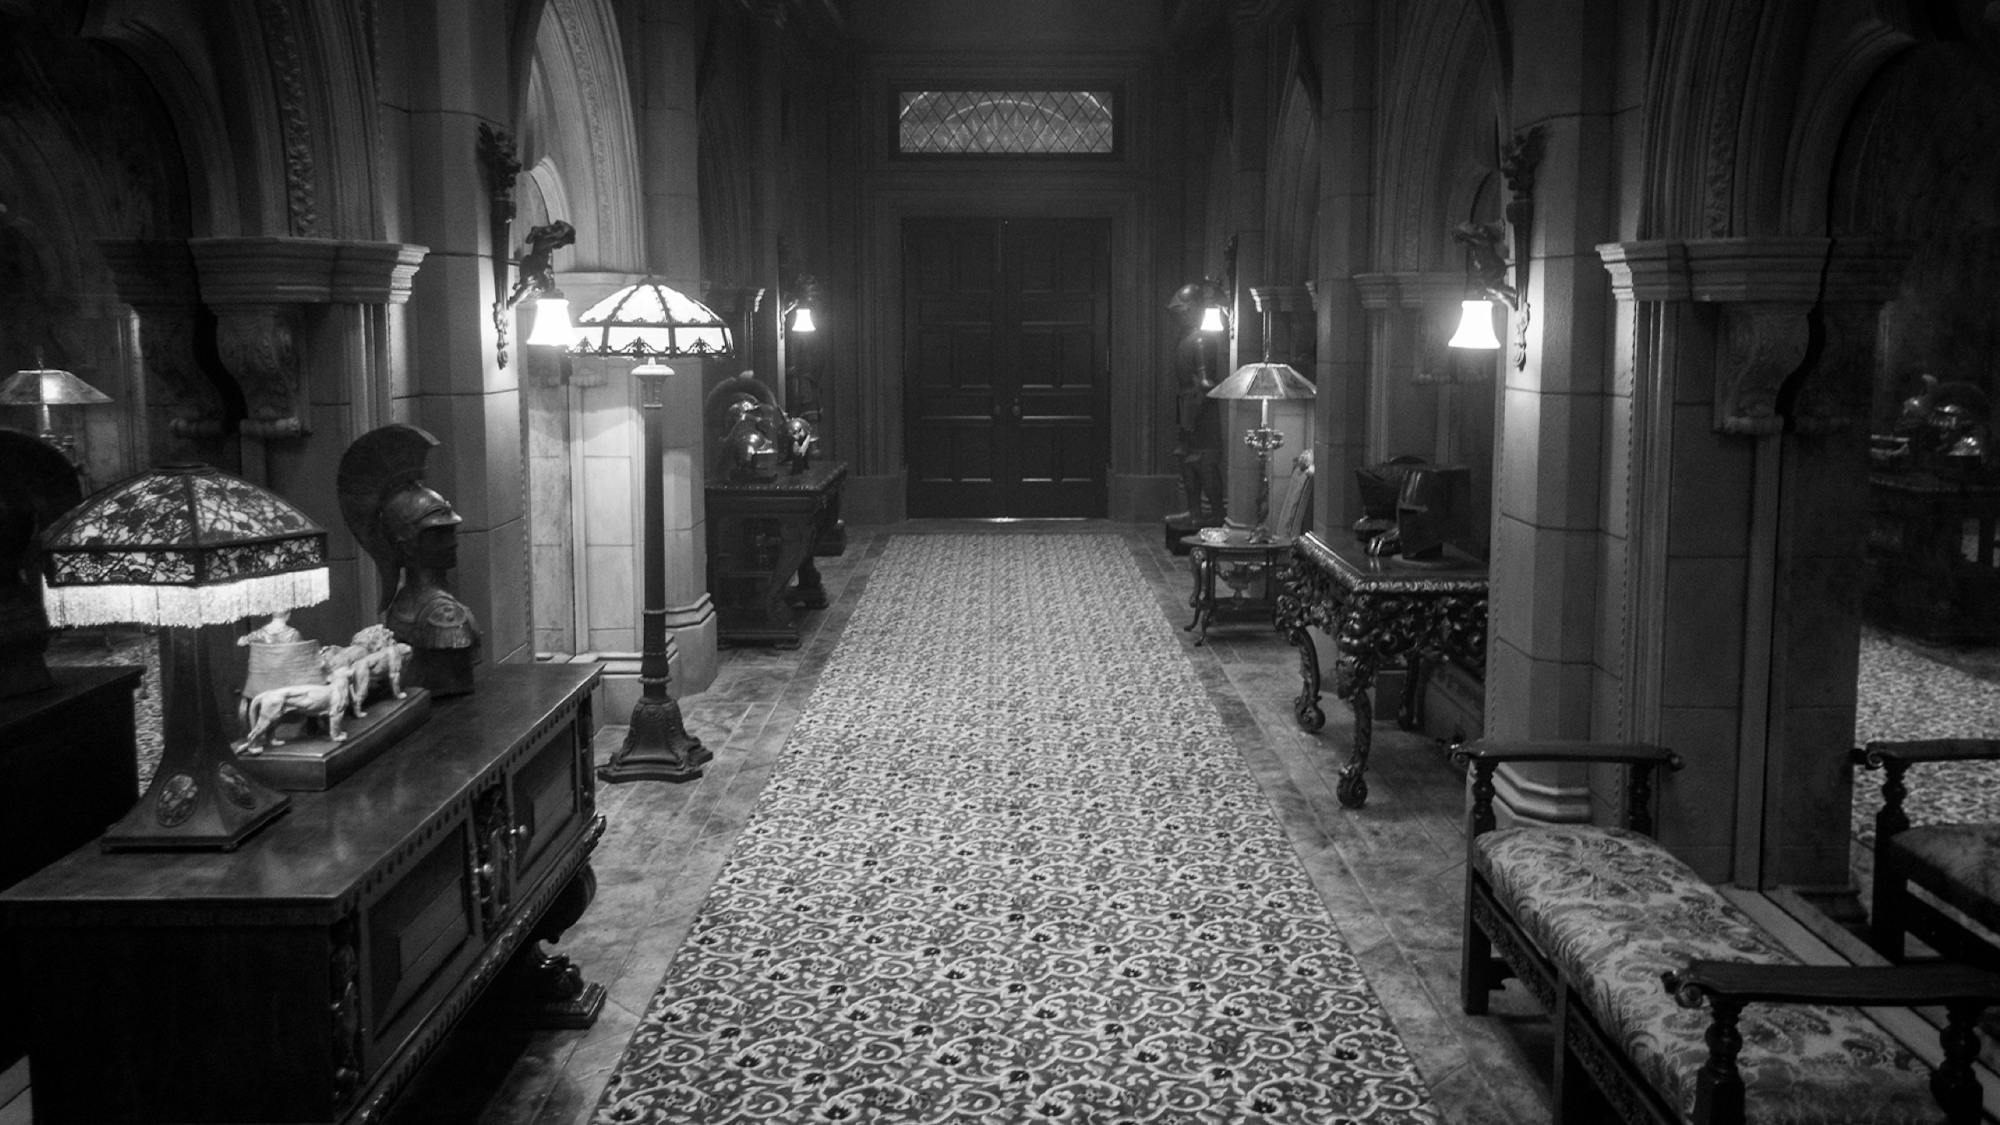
(268, 708)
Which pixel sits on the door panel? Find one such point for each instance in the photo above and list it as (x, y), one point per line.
(1006, 326)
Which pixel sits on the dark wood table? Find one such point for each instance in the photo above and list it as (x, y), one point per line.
(1930, 569)
(1377, 611)
(763, 535)
(1232, 557)
(305, 976)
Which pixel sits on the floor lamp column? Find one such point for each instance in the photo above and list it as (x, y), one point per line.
(657, 745)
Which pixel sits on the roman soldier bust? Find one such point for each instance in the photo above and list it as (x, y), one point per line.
(411, 531)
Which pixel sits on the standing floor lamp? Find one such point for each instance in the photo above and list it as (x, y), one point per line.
(650, 322)
(182, 547)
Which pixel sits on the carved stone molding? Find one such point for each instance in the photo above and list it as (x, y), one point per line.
(1411, 289)
(258, 288)
(1767, 289)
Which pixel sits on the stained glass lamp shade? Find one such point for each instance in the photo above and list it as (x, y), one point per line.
(183, 547)
(649, 320)
(1264, 382)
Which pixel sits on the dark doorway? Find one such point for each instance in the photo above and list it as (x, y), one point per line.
(1006, 365)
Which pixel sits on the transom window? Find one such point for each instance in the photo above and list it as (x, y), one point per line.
(1005, 122)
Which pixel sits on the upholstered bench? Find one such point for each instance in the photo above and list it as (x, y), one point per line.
(1624, 944)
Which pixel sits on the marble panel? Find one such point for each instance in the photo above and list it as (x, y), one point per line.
(1713, 481)
(1697, 804)
(1702, 636)
(610, 508)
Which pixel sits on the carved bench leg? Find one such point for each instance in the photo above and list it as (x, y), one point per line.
(544, 990)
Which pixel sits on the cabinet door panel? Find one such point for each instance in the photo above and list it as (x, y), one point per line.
(416, 930)
(545, 800)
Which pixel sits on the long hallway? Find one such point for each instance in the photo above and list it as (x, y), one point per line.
(1389, 873)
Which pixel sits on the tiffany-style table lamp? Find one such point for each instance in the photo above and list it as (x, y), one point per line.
(182, 547)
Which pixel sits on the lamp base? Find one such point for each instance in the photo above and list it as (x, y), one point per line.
(207, 805)
(657, 747)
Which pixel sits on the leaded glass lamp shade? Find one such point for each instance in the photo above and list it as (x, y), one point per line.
(650, 319)
(182, 547)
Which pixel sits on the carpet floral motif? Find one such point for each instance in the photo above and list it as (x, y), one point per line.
(1904, 694)
(1011, 868)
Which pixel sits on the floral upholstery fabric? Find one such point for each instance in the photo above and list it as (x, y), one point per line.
(1613, 910)
(1955, 863)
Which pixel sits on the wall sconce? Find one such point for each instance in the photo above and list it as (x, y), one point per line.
(538, 277)
(1487, 266)
(801, 308)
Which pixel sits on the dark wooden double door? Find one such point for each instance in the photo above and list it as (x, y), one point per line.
(1006, 353)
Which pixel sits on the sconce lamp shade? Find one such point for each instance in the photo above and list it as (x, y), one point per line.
(552, 326)
(650, 319)
(181, 545)
(1211, 319)
(1264, 381)
(802, 319)
(1475, 327)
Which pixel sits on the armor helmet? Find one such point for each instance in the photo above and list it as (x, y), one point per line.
(410, 510)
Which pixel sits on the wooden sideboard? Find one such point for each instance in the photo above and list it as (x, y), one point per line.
(1376, 611)
(305, 976)
(762, 535)
(68, 767)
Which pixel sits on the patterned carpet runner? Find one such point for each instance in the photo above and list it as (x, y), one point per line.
(1011, 868)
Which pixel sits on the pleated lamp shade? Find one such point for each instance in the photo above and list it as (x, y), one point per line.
(1264, 381)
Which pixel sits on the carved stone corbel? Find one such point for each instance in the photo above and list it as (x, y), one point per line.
(259, 346)
(1763, 344)
(157, 279)
(1767, 287)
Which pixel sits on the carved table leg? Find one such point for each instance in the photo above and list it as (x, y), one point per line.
(544, 990)
(1203, 598)
(1305, 706)
(1354, 681)
(810, 593)
(1413, 691)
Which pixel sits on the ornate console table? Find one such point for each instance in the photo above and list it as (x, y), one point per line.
(760, 535)
(1377, 611)
(305, 976)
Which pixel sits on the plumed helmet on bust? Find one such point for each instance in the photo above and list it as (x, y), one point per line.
(384, 499)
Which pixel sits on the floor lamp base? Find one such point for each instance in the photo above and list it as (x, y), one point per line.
(657, 747)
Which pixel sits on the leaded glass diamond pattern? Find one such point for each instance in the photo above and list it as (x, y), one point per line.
(1006, 122)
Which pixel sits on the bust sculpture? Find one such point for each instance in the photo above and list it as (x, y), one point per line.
(412, 534)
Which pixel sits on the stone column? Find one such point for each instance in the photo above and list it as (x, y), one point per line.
(1741, 633)
(1344, 35)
